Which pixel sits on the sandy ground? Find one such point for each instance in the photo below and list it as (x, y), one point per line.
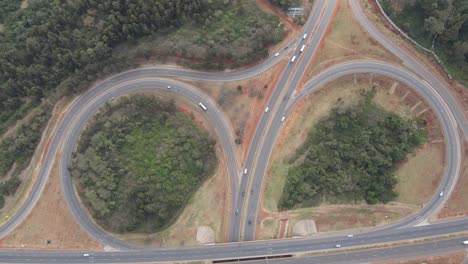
(418, 178)
(346, 40)
(454, 258)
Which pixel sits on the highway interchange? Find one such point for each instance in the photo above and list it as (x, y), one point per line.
(282, 101)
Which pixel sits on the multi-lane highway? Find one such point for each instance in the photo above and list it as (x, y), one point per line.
(282, 101)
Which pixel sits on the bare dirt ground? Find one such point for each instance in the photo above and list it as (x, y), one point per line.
(243, 106)
(418, 178)
(457, 205)
(458, 90)
(347, 40)
(210, 204)
(453, 258)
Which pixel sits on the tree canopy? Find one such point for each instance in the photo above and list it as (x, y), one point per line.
(139, 162)
(350, 155)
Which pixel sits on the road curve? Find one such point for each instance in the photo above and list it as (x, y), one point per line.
(89, 103)
(144, 72)
(414, 65)
(439, 106)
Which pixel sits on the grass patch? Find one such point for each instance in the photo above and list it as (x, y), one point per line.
(139, 163)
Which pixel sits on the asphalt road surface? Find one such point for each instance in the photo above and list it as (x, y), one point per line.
(429, 86)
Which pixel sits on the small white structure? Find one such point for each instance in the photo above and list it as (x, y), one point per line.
(205, 235)
(305, 227)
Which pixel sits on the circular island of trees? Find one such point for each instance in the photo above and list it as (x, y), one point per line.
(138, 163)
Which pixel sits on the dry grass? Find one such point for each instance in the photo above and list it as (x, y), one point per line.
(372, 13)
(207, 208)
(457, 205)
(454, 258)
(243, 108)
(29, 175)
(50, 220)
(418, 178)
(329, 218)
(347, 40)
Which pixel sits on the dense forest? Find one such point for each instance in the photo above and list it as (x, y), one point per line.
(285, 4)
(350, 156)
(442, 22)
(53, 48)
(17, 148)
(138, 163)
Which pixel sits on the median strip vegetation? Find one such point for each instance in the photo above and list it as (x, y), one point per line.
(139, 162)
(351, 156)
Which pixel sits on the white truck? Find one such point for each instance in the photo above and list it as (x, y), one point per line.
(202, 106)
(302, 48)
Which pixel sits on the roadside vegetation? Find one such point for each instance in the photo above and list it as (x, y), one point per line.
(139, 162)
(351, 156)
(51, 49)
(442, 22)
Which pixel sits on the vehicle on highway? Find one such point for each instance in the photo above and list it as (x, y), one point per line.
(85, 255)
(237, 211)
(302, 48)
(243, 193)
(277, 54)
(168, 87)
(245, 171)
(337, 245)
(266, 109)
(305, 36)
(350, 236)
(441, 193)
(250, 222)
(282, 119)
(112, 98)
(202, 106)
(293, 59)
(465, 242)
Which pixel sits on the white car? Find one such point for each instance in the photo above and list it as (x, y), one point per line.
(337, 245)
(245, 171)
(350, 236)
(277, 54)
(305, 36)
(282, 119)
(168, 87)
(441, 193)
(465, 242)
(85, 255)
(266, 109)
